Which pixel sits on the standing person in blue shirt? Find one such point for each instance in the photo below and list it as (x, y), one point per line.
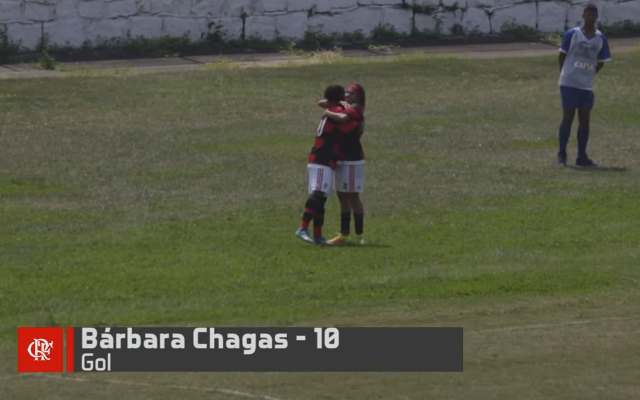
(582, 55)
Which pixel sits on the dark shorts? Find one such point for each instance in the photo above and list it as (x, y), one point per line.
(573, 98)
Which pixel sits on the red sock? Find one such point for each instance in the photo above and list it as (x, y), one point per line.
(306, 218)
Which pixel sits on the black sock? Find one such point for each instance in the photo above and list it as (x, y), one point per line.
(345, 223)
(307, 216)
(318, 218)
(318, 222)
(565, 133)
(359, 218)
(583, 139)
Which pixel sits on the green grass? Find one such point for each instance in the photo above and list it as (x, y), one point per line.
(171, 199)
(549, 143)
(27, 187)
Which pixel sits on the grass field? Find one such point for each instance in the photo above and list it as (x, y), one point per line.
(171, 199)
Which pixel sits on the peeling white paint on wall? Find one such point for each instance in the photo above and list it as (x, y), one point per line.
(74, 22)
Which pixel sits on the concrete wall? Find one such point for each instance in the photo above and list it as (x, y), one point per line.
(72, 22)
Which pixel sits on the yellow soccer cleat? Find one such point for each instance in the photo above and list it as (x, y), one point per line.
(339, 239)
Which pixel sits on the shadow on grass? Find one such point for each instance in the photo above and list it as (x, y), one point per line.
(352, 245)
(358, 246)
(598, 169)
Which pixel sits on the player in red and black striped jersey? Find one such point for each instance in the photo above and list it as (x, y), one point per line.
(322, 162)
(326, 149)
(349, 176)
(350, 145)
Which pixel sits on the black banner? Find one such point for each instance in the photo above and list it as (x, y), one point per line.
(268, 349)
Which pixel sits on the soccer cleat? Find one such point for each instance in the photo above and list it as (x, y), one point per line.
(304, 235)
(320, 240)
(341, 238)
(585, 162)
(562, 160)
(360, 240)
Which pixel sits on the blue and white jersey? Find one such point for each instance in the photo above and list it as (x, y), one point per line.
(583, 54)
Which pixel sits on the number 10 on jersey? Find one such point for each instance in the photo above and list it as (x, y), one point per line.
(323, 122)
(328, 338)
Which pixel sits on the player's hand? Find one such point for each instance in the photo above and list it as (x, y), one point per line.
(345, 104)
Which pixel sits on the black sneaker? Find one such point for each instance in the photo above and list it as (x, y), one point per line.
(562, 160)
(585, 162)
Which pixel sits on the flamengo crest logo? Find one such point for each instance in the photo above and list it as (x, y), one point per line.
(39, 349)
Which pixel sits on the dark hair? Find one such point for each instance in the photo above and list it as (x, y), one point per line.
(591, 7)
(334, 94)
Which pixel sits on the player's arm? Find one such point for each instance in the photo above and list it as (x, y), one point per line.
(337, 117)
(324, 103)
(561, 58)
(564, 48)
(604, 55)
